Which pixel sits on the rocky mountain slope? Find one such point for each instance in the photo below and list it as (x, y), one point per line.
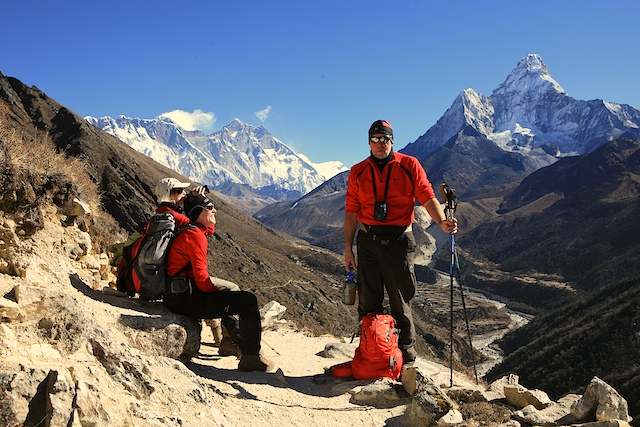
(304, 278)
(76, 354)
(596, 333)
(573, 223)
(566, 241)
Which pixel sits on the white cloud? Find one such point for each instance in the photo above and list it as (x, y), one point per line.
(263, 115)
(197, 119)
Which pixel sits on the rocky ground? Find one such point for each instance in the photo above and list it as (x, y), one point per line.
(73, 355)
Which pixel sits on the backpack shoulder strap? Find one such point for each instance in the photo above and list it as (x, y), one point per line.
(182, 270)
(184, 227)
(180, 230)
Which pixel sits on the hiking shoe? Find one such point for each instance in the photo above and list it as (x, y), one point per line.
(409, 355)
(216, 330)
(255, 362)
(228, 347)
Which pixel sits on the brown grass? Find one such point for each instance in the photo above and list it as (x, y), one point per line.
(37, 153)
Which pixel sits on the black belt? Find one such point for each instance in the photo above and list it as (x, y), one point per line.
(385, 229)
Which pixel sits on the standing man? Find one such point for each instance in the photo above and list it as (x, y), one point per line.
(381, 194)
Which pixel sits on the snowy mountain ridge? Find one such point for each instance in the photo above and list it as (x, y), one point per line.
(238, 153)
(531, 113)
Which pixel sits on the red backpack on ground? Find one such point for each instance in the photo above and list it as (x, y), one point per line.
(378, 354)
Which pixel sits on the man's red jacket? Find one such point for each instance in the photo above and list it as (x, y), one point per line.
(407, 183)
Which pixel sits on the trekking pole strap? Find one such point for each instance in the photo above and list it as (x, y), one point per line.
(450, 200)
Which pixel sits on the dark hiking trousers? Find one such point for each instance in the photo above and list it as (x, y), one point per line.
(385, 262)
(224, 304)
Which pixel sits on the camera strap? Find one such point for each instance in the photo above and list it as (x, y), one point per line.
(386, 186)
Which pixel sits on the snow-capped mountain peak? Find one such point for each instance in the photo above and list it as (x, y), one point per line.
(238, 153)
(530, 75)
(530, 113)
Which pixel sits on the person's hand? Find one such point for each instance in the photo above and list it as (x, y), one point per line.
(449, 225)
(198, 190)
(224, 285)
(349, 261)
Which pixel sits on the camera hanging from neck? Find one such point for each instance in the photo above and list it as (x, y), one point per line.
(380, 207)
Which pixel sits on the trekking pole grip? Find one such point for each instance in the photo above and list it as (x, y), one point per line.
(449, 199)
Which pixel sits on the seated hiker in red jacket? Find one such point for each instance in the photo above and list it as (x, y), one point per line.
(202, 296)
(170, 194)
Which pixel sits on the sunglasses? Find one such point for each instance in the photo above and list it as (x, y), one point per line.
(210, 208)
(380, 139)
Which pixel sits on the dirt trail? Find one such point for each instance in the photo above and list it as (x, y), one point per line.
(300, 394)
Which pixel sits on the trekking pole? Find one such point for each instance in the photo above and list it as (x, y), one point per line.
(450, 199)
(268, 345)
(448, 210)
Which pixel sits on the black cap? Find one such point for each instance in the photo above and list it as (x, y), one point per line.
(194, 204)
(380, 126)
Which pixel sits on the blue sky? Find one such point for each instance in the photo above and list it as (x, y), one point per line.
(316, 74)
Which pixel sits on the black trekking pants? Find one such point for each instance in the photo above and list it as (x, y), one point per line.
(209, 305)
(385, 262)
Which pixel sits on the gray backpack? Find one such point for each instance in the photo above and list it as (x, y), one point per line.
(150, 261)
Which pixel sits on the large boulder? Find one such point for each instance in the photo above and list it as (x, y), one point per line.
(520, 397)
(600, 402)
(429, 402)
